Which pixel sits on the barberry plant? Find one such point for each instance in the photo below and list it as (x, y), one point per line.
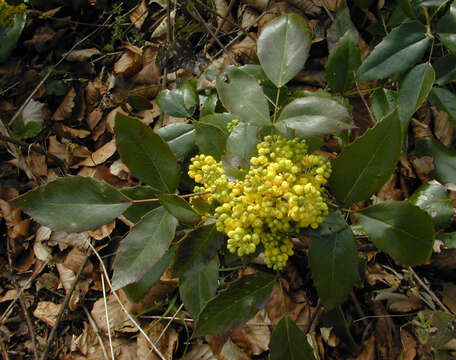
(12, 22)
(244, 178)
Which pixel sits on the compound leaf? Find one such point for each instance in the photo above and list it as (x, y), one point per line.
(73, 204)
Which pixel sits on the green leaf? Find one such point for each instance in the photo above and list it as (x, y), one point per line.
(283, 48)
(145, 153)
(241, 145)
(210, 140)
(333, 259)
(180, 138)
(448, 238)
(446, 29)
(445, 71)
(190, 94)
(335, 318)
(407, 8)
(400, 229)
(413, 92)
(136, 211)
(236, 305)
(365, 165)
(137, 290)
(289, 342)
(139, 103)
(400, 49)
(197, 289)
(340, 26)
(29, 123)
(433, 198)
(73, 204)
(219, 120)
(172, 103)
(314, 116)
(10, 35)
(343, 62)
(383, 102)
(143, 247)
(243, 97)
(445, 100)
(196, 250)
(179, 208)
(444, 158)
(208, 104)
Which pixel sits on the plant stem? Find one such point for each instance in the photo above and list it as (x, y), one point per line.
(276, 105)
(157, 200)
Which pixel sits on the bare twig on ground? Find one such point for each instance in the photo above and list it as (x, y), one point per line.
(97, 332)
(108, 325)
(369, 111)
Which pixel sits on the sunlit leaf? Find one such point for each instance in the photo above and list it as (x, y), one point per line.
(73, 204)
(400, 229)
(210, 140)
(383, 102)
(235, 305)
(136, 211)
(241, 145)
(179, 208)
(283, 48)
(172, 103)
(180, 138)
(143, 247)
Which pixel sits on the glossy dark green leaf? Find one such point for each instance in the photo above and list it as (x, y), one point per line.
(433, 198)
(288, 342)
(335, 318)
(343, 62)
(172, 102)
(197, 289)
(340, 26)
(137, 290)
(446, 29)
(10, 35)
(243, 97)
(407, 8)
(219, 120)
(333, 259)
(73, 204)
(210, 140)
(196, 250)
(145, 153)
(139, 103)
(255, 70)
(413, 92)
(445, 70)
(383, 102)
(314, 116)
(283, 48)
(190, 94)
(179, 208)
(402, 230)
(241, 145)
(445, 100)
(235, 305)
(143, 247)
(136, 211)
(402, 48)
(180, 138)
(444, 158)
(365, 165)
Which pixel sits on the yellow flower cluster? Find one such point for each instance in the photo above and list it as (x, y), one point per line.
(282, 192)
(7, 13)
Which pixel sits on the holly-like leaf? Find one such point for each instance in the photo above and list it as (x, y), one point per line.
(172, 102)
(243, 97)
(137, 290)
(343, 62)
(241, 145)
(180, 138)
(283, 48)
(413, 92)
(221, 121)
(365, 165)
(210, 140)
(196, 250)
(446, 29)
(73, 204)
(445, 100)
(145, 153)
(143, 247)
(399, 50)
(445, 71)
(333, 259)
(289, 342)
(197, 289)
(383, 102)
(179, 208)
(10, 35)
(433, 198)
(444, 158)
(236, 305)
(407, 8)
(402, 230)
(314, 116)
(136, 211)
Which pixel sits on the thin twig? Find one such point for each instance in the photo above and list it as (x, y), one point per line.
(45, 17)
(220, 25)
(141, 330)
(157, 200)
(371, 116)
(108, 325)
(4, 350)
(359, 308)
(169, 323)
(157, 317)
(97, 332)
(316, 319)
(62, 309)
(430, 292)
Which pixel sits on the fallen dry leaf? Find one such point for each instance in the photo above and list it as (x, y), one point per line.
(408, 346)
(82, 54)
(200, 351)
(47, 312)
(167, 344)
(64, 239)
(65, 108)
(99, 156)
(128, 63)
(118, 320)
(139, 15)
(230, 351)
(71, 132)
(149, 74)
(368, 352)
(102, 232)
(449, 296)
(254, 336)
(42, 252)
(123, 350)
(162, 27)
